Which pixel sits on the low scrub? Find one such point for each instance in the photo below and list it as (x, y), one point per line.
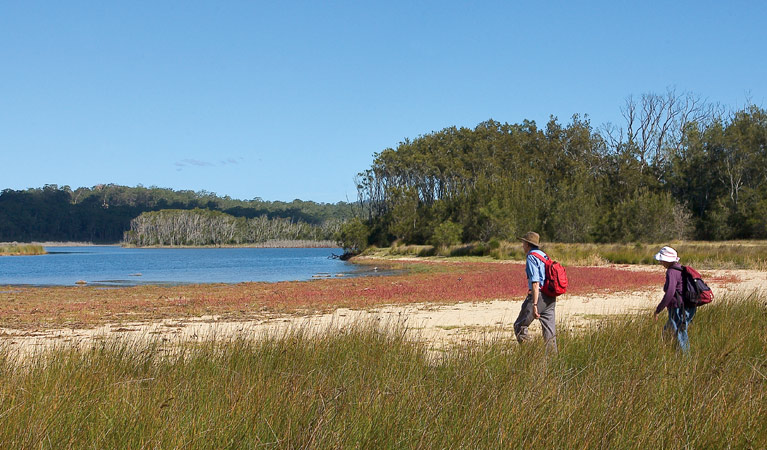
(706, 255)
(21, 249)
(617, 384)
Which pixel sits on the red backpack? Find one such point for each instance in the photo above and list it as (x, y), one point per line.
(695, 292)
(555, 283)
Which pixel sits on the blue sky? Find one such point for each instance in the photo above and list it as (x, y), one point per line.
(285, 100)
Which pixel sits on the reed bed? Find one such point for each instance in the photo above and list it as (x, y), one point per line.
(706, 255)
(21, 249)
(617, 384)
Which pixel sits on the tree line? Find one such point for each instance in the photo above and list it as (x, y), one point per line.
(103, 213)
(200, 227)
(678, 167)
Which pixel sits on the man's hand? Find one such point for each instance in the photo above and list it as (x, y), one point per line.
(535, 312)
(535, 300)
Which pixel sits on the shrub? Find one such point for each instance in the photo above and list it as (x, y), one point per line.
(447, 233)
(353, 236)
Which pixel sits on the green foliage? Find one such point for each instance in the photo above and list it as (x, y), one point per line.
(616, 384)
(646, 217)
(103, 213)
(573, 215)
(353, 236)
(678, 170)
(447, 233)
(404, 207)
(719, 175)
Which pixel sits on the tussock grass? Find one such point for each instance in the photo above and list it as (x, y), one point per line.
(21, 249)
(617, 384)
(705, 255)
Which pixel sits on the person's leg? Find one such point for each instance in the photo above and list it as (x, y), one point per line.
(690, 311)
(680, 323)
(685, 318)
(548, 321)
(524, 319)
(669, 329)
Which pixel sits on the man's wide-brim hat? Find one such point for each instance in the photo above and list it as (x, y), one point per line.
(531, 237)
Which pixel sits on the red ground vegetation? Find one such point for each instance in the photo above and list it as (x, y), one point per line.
(435, 282)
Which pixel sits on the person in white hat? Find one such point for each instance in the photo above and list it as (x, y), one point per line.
(679, 315)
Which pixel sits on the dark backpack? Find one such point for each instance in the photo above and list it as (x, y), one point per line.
(555, 283)
(695, 292)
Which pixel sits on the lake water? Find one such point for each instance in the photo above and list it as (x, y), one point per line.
(117, 266)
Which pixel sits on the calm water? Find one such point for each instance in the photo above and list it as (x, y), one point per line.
(116, 266)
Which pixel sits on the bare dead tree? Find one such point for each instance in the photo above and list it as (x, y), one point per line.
(655, 126)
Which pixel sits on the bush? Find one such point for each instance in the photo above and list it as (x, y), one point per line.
(647, 217)
(353, 236)
(447, 233)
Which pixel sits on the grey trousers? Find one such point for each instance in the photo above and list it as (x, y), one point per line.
(546, 307)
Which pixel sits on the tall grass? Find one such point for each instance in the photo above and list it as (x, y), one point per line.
(707, 255)
(616, 385)
(21, 249)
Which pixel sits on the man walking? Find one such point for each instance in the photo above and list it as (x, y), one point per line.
(537, 305)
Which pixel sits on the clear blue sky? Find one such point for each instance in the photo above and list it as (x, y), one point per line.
(285, 100)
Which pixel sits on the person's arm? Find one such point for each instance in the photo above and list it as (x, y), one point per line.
(668, 295)
(534, 271)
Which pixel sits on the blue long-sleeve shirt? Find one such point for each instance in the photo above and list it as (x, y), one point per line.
(672, 297)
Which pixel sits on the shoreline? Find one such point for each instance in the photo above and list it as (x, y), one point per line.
(61, 244)
(29, 306)
(276, 244)
(440, 324)
(268, 244)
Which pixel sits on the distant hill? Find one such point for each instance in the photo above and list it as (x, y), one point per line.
(103, 213)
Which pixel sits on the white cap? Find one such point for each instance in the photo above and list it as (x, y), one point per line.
(667, 254)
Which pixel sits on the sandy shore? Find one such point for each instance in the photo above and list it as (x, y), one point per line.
(440, 325)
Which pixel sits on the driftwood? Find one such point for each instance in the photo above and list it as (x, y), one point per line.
(346, 256)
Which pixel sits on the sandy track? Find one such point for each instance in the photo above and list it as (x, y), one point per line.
(439, 324)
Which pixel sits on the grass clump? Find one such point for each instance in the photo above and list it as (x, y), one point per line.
(705, 255)
(21, 249)
(618, 384)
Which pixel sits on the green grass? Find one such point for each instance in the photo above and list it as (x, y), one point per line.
(617, 384)
(706, 255)
(21, 249)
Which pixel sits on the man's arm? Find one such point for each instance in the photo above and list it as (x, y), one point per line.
(535, 300)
